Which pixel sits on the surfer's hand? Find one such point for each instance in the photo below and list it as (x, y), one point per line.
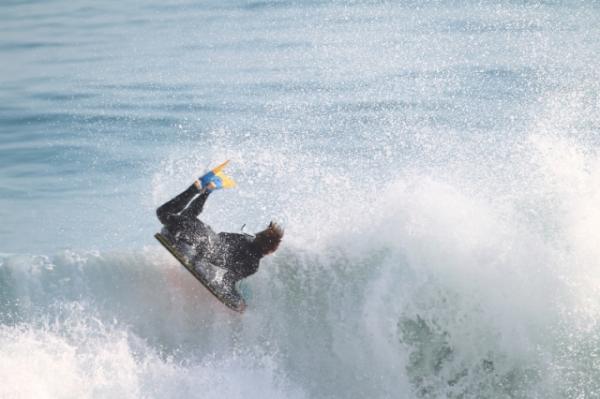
(211, 186)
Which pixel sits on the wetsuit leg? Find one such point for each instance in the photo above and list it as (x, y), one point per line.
(195, 208)
(169, 210)
(182, 222)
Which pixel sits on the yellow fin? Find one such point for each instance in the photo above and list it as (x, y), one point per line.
(220, 167)
(226, 181)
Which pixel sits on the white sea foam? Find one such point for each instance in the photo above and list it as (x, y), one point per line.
(70, 353)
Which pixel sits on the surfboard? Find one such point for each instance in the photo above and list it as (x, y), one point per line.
(210, 276)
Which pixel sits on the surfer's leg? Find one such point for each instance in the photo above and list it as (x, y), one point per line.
(176, 205)
(195, 208)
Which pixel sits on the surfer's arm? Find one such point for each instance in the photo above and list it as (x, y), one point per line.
(176, 205)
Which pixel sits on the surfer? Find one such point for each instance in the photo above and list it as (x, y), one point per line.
(239, 254)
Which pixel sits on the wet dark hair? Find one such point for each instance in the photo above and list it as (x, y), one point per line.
(268, 240)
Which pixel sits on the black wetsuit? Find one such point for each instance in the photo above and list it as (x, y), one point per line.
(235, 252)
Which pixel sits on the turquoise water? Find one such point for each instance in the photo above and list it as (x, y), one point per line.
(435, 165)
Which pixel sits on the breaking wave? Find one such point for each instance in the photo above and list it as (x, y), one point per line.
(440, 287)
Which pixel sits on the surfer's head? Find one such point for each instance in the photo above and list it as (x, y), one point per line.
(268, 240)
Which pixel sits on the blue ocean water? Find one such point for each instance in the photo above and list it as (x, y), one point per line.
(435, 165)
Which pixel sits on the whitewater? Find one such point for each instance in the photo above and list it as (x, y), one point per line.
(436, 166)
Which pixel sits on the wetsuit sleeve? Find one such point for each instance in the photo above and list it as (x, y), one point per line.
(234, 239)
(242, 256)
(171, 208)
